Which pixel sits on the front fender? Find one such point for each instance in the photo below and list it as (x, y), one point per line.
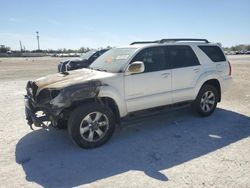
(111, 92)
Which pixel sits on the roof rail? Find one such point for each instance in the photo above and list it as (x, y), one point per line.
(183, 39)
(144, 42)
(170, 40)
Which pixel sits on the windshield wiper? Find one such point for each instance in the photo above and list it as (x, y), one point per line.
(103, 70)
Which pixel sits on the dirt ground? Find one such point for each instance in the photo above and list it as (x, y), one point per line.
(170, 149)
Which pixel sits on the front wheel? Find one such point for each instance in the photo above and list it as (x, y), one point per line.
(91, 125)
(206, 101)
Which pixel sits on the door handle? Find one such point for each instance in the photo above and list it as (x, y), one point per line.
(197, 70)
(165, 75)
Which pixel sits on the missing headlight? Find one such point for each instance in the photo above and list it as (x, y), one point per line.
(54, 93)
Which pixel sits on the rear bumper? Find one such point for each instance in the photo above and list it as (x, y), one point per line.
(226, 82)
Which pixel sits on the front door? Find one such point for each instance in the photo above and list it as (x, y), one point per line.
(152, 87)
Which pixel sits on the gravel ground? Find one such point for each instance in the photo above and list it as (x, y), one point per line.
(172, 148)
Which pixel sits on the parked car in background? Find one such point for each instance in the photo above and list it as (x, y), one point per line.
(242, 52)
(230, 52)
(82, 62)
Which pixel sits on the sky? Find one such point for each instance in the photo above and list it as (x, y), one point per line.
(100, 23)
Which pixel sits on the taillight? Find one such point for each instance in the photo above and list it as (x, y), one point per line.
(230, 69)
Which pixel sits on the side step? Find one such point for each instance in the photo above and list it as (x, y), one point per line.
(137, 117)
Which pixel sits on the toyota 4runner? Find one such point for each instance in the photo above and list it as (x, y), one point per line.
(127, 79)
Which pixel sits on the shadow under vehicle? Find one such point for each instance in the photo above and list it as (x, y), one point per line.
(49, 159)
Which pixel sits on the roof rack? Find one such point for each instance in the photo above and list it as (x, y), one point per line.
(182, 39)
(144, 42)
(170, 40)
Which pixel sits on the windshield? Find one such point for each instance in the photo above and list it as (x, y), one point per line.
(113, 60)
(88, 54)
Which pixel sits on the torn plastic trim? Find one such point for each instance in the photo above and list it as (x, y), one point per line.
(33, 119)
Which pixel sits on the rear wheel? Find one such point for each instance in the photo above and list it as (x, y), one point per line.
(206, 101)
(91, 125)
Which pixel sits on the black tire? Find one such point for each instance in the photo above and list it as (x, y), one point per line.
(199, 101)
(77, 117)
(62, 124)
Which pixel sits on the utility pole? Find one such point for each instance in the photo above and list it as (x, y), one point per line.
(37, 37)
(21, 47)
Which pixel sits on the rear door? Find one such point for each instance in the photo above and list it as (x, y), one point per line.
(186, 69)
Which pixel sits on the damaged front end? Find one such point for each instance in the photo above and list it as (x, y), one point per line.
(51, 104)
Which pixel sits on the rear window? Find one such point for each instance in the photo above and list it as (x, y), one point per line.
(214, 53)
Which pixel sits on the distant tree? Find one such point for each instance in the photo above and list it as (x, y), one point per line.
(238, 47)
(70, 51)
(84, 50)
(59, 50)
(4, 49)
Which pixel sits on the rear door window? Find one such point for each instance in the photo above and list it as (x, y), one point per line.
(181, 56)
(214, 53)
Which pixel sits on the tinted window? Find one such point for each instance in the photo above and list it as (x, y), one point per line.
(153, 59)
(214, 53)
(181, 56)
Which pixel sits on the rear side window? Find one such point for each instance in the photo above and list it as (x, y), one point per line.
(181, 56)
(214, 53)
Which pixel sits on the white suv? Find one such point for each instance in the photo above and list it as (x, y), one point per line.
(127, 79)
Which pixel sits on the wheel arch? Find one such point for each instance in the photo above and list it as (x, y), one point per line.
(110, 103)
(213, 82)
(112, 94)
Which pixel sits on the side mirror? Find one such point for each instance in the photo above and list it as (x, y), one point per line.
(136, 67)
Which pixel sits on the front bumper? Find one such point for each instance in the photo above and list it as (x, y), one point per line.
(33, 118)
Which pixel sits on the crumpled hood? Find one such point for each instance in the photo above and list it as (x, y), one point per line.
(58, 80)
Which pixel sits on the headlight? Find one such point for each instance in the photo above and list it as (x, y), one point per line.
(48, 94)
